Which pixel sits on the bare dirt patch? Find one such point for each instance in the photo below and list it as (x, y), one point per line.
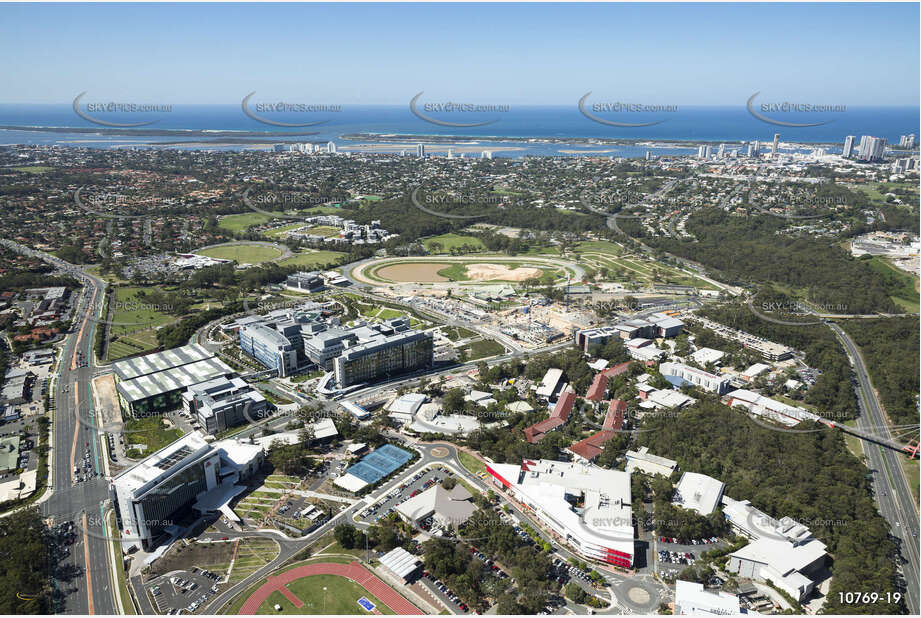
(501, 272)
(424, 272)
(107, 400)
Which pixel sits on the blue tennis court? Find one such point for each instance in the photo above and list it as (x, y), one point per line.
(378, 464)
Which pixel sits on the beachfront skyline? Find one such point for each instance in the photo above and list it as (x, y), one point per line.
(548, 54)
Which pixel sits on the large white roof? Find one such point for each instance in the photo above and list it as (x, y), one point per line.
(158, 361)
(698, 492)
(189, 447)
(782, 556)
(606, 517)
(400, 562)
(692, 599)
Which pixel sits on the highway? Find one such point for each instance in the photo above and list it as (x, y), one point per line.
(892, 492)
(83, 579)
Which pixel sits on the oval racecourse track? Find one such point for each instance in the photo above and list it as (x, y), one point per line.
(481, 269)
(353, 571)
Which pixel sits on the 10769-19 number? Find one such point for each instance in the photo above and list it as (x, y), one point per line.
(867, 598)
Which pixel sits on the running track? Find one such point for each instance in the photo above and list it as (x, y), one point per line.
(353, 571)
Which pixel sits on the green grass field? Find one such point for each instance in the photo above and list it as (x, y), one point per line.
(453, 241)
(912, 468)
(242, 222)
(339, 597)
(278, 231)
(456, 333)
(470, 462)
(599, 246)
(455, 272)
(34, 169)
(323, 230)
(134, 323)
(252, 555)
(312, 259)
(480, 349)
(151, 431)
(244, 254)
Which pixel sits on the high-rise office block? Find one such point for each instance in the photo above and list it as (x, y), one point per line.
(269, 347)
(871, 148)
(848, 146)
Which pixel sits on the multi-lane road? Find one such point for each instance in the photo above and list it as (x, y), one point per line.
(893, 493)
(83, 580)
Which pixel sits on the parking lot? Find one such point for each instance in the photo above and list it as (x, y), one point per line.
(411, 487)
(674, 555)
(444, 594)
(183, 591)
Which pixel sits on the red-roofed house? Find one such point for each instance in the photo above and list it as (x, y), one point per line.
(616, 370)
(592, 446)
(597, 389)
(536, 432)
(563, 406)
(558, 418)
(615, 416)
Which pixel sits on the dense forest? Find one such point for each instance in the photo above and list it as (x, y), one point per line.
(25, 564)
(752, 250)
(890, 350)
(811, 477)
(474, 209)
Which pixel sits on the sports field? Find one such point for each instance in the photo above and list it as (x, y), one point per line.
(243, 253)
(446, 242)
(133, 323)
(300, 590)
(314, 258)
(340, 597)
(241, 223)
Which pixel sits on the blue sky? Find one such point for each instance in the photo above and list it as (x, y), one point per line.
(688, 54)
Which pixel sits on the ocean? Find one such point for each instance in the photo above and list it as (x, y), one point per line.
(543, 130)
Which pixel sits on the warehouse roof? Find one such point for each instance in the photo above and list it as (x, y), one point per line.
(158, 361)
(172, 379)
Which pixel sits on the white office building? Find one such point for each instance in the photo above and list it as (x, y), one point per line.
(599, 528)
(403, 409)
(704, 356)
(777, 411)
(692, 599)
(223, 403)
(781, 550)
(187, 477)
(696, 377)
(698, 492)
(644, 461)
